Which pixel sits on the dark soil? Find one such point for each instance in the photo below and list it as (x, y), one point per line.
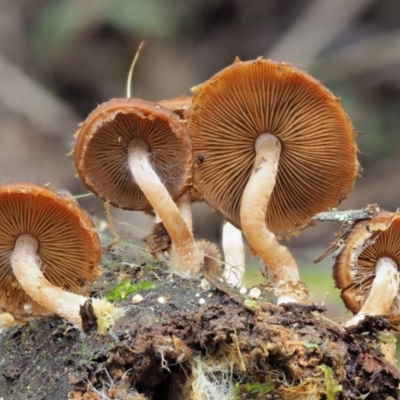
(249, 349)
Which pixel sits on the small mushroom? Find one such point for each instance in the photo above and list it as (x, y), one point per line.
(137, 155)
(49, 256)
(278, 148)
(367, 269)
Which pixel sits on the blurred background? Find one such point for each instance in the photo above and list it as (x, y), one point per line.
(61, 58)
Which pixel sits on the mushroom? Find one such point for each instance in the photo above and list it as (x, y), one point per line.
(278, 148)
(181, 107)
(137, 155)
(232, 242)
(49, 256)
(367, 269)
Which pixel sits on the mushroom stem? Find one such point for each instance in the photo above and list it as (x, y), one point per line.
(26, 266)
(232, 243)
(383, 291)
(184, 204)
(186, 259)
(282, 268)
(7, 321)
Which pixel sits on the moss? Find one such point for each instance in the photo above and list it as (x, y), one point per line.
(309, 345)
(32, 328)
(85, 354)
(331, 385)
(126, 287)
(387, 337)
(159, 320)
(252, 304)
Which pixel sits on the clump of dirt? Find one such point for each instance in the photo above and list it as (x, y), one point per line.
(186, 338)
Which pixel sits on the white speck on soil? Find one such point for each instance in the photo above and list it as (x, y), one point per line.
(137, 299)
(255, 293)
(205, 285)
(161, 300)
(243, 290)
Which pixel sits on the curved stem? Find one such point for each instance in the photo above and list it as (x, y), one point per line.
(185, 257)
(232, 243)
(384, 288)
(282, 268)
(130, 73)
(26, 267)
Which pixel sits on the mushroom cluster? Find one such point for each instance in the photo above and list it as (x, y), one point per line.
(137, 155)
(263, 143)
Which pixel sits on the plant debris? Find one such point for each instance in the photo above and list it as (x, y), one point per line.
(164, 351)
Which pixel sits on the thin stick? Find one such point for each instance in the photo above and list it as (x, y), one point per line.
(348, 218)
(81, 196)
(130, 73)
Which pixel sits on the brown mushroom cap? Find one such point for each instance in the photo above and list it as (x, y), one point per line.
(318, 161)
(102, 145)
(69, 247)
(179, 105)
(354, 269)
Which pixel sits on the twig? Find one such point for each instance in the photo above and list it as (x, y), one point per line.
(348, 216)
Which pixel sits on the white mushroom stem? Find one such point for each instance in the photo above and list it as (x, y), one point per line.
(26, 267)
(384, 288)
(232, 243)
(186, 259)
(184, 204)
(282, 268)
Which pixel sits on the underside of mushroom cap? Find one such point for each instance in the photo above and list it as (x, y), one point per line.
(318, 162)
(367, 242)
(102, 146)
(69, 247)
(179, 105)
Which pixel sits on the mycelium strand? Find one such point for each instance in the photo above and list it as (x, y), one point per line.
(186, 259)
(383, 291)
(282, 268)
(26, 266)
